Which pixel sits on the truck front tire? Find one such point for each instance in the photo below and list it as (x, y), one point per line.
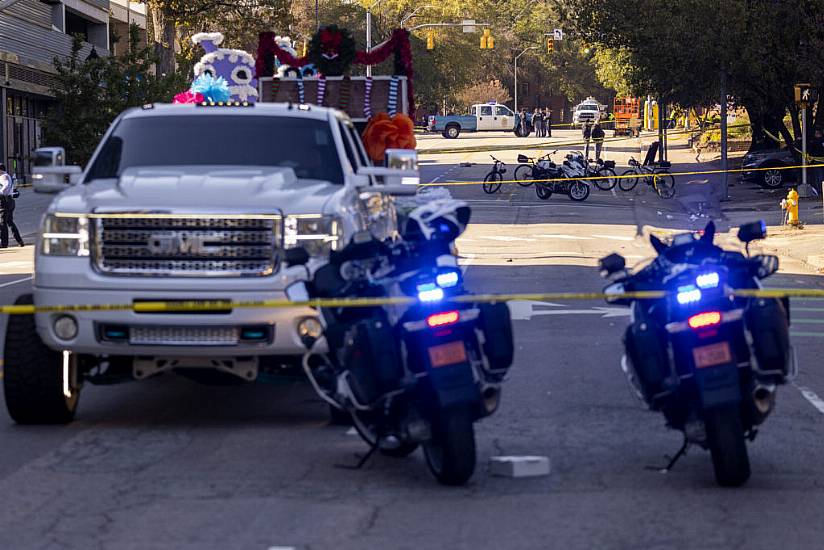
(33, 375)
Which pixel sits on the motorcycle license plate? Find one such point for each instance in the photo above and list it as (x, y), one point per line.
(447, 354)
(712, 355)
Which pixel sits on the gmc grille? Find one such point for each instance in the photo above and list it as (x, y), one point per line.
(187, 246)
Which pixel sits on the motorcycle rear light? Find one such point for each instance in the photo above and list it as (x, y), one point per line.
(706, 319)
(688, 295)
(707, 280)
(443, 319)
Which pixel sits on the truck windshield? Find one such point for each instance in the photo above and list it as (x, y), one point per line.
(305, 145)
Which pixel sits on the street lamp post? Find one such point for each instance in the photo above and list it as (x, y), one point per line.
(369, 31)
(516, 74)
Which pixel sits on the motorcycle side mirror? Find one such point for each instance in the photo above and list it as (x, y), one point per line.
(296, 256)
(752, 231)
(611, 264)
(768, 265)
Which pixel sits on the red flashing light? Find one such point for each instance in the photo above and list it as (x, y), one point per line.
(706, 319)
(442, 319)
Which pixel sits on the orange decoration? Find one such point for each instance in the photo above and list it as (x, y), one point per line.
(384, 132)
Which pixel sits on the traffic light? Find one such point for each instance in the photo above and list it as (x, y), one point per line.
(430, 40)
(550, 45)
(487, 40)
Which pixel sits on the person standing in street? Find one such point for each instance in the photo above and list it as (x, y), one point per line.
(598, 138)
(522, 123)
(7, 209)
(587, 134)
(547, 122)
(538, 122)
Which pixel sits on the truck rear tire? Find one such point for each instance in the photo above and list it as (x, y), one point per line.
(33, 379)
(452, 131)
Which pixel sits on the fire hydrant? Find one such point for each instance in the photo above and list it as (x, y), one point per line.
(790, 207)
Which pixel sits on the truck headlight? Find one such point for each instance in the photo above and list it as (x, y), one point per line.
(319, 235)
(65, 235)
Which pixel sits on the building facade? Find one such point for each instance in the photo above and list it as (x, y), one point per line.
(32, 34)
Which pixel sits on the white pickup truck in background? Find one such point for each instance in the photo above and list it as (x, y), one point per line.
(187, 203)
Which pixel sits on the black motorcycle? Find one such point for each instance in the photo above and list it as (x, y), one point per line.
(562, 178)
(419, 371)
(707, 358)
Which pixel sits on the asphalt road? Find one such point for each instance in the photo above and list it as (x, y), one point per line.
(167, 463)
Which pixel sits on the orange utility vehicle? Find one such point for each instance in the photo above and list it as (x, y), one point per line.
(627, 112)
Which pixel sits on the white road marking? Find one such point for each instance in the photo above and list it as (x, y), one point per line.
(810, 334)
(506, 238)
(525, 310)
(808, 321)
(810, 396)
(794, 309)
(615, 237)
(565, 237)
(465, 262)
(23, 280)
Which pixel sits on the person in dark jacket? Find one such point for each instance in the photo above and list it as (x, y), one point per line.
(547, 122)
(538, 122)
(597, 138)
(7, 209)
(587, 134)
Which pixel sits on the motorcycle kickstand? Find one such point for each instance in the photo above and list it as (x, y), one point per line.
(681, 452)
(363, 460)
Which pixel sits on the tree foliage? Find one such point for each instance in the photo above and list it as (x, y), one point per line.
(685, 51)
(90, 93)
(483, 92)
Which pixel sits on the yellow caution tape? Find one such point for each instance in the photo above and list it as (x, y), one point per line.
(209, 305)
(623, 176)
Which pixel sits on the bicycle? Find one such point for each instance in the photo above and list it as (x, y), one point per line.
(492, 181)
(657, 176)
(524, 172)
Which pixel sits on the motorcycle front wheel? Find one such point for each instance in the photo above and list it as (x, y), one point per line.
(450, 453)
(725, 438)
(578, 191)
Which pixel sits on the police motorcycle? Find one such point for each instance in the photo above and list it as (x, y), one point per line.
(563, 176)
(708, 359)
(421, 370)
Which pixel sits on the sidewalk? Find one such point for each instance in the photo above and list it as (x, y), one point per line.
(805, 245)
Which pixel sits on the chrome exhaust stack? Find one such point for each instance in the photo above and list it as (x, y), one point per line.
(763, 396)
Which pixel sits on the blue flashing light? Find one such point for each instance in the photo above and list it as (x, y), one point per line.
(430, 293)
(688, 295)
(707, 280)
(447, 279)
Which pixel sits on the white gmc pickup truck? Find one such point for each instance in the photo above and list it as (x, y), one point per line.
(182, 203)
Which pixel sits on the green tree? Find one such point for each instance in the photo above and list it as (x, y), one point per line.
(90, 93)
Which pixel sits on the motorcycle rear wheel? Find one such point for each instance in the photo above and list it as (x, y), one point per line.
(728, 447)
(450, 453)
(543, 190)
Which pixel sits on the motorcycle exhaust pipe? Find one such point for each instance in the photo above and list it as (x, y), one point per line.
(763, 395)
(491, 398)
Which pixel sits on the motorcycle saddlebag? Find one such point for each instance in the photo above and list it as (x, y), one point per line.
(766, 319)
(372, 357)
(523, 159)
(645, 343)
(499, 346)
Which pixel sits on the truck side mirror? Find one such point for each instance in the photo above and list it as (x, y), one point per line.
(53, 179)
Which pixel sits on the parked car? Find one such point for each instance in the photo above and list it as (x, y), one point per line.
(483, 117)
(768, 167)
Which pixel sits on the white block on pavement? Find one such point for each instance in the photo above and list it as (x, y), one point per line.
(519, 466)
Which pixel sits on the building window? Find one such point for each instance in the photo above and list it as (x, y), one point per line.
(77, 25)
